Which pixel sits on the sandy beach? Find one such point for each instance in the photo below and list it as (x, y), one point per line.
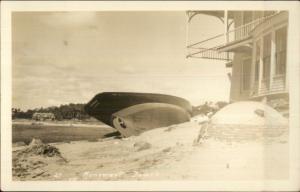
(169, 153)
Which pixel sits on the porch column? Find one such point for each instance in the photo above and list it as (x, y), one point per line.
(187, 33)
(226, 26)
(260, 75)
(252, 73)
(272, 65)
(291, 49)
(226, 30)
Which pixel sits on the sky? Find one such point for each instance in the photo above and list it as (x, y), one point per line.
(68, 57)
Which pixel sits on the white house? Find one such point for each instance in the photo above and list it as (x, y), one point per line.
(254, 45)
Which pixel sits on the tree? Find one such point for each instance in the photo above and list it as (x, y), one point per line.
(69, 111)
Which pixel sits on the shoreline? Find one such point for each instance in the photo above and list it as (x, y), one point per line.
(59, 124)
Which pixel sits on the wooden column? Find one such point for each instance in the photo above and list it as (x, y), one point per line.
(273, 62)
(187, 34)
(260, 65)
(226, 26)
(252, 76)
(291, 45)
(226, 30)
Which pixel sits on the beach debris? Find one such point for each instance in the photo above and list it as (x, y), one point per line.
(208, 108)
(259, 112)
(141, 145)
(37, 147)
(200, 119)
(30, 162)
(35, 141)
(166, 150)
(202, 133)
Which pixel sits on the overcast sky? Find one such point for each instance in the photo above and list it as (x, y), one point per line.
(68, 57)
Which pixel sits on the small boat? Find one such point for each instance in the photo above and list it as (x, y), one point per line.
(133, 113)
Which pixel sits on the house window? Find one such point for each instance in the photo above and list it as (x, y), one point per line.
(266, 56)
(280, 54)
(246, 73)
(257, 60)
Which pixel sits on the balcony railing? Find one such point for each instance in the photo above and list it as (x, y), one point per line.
(211, 53)
(209, 48)
(244, 31)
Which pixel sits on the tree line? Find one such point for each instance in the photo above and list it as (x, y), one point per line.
(76, 111)
(68, 111)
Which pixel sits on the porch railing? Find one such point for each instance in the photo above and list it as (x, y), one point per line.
(243, 32)
(209, 48)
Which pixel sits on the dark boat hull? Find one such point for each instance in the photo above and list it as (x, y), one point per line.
(142, 117)
(139, 111)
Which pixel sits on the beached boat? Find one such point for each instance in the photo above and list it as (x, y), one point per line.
(133, 113)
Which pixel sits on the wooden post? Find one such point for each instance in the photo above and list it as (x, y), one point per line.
(226, 30)
(252, 73)
(272, 65)
(187, 33)
(226, 26)
(260, 75)
(290, 46)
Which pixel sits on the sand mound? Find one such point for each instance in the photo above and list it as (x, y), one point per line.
(247, 120)
(249, 113)
(30, 162)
